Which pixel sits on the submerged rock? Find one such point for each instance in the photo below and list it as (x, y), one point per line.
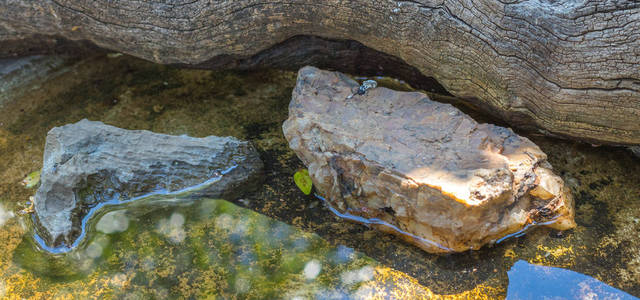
(17, 74)
(215, 249)
(419, 168)
(87, 164)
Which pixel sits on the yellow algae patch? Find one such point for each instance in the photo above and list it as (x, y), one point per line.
(388, 283)
(510, 254)
(557, 251)
(560, 256)
(10, 235)
(23, 285)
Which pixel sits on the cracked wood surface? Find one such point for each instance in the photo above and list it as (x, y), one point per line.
(567, 68)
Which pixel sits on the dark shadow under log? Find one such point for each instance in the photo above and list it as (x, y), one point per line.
(339, 55)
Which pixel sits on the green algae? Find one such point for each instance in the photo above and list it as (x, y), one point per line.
(134, 94)
(199, 248)
(32, 179)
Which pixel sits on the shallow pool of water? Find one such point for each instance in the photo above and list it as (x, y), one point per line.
(274, 242)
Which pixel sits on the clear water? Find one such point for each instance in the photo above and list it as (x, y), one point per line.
(527, 281)
(274, 242)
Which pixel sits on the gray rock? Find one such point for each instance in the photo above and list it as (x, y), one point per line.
(87, 164)
(21, 74)
(418, 168)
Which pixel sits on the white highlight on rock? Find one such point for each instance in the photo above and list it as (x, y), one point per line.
(112, 222)
(312, 269)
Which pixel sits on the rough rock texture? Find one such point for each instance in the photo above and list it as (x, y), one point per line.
(430, 172)
(569, 68)
(88, 163)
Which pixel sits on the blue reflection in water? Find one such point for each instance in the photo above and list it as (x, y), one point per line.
(377, 221)
(528, 281)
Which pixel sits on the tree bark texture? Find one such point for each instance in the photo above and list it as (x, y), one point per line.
(568, 68)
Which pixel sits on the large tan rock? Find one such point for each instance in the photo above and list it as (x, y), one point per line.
(419, 168)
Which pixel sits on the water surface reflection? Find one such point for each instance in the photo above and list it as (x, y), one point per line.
(528, 281)
(148, 253)
(171, 247)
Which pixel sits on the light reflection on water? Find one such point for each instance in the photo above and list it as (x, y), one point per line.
(112, 222)
(376, 221)
(312, 269)
(173, 228)
(148, 245)
(5, 215)
(528, 281)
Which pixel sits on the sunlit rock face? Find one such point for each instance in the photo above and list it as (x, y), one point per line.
(419, 168)
(88, 164)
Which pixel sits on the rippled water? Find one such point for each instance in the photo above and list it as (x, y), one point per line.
(274, 242)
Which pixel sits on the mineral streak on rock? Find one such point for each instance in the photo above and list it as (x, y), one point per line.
(419, 168)
(87, 164)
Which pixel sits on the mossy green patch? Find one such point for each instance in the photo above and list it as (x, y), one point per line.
(32, 179)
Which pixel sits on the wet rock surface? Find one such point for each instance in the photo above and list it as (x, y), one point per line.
(418, 168)
(89, 163)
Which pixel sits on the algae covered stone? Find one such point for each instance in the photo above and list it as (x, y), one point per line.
(418, 168)
(88, 164)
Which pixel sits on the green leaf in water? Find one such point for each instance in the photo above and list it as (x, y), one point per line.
(303, 181)
(32, 179)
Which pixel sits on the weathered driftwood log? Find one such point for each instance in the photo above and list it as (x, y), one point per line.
(569, 68)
